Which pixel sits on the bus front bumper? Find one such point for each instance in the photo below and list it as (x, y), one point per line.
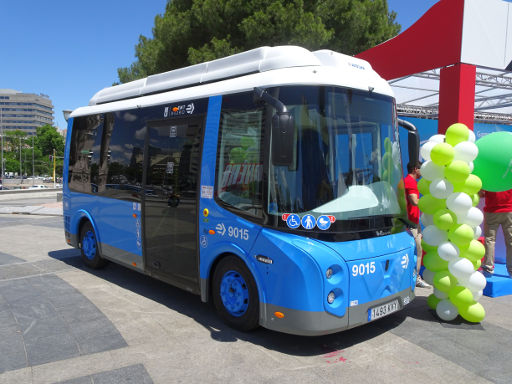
(308, 323)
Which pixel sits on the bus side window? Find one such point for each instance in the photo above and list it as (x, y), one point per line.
(240, 162)
(85, 154)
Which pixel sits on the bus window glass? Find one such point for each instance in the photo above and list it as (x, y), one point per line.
(240, 162)
(84, 157)
(124, 138)
(347, 155)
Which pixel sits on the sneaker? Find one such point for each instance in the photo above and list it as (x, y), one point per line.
(487, 273)
(421, 283)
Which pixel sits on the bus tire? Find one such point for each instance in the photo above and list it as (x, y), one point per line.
(89, 247)
(235, 295)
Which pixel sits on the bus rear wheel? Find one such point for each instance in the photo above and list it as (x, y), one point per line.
(235, 295)
(89, 247)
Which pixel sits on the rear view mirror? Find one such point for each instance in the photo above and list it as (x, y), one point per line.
(282, 139)
(413, 140)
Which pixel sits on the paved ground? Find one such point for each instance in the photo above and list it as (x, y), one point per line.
(63, 323)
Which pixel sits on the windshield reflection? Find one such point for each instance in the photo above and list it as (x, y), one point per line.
(346, 155)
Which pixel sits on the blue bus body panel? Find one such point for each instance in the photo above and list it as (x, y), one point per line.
(220, 231)
(392, 271)
(116, 222)
(296, 279)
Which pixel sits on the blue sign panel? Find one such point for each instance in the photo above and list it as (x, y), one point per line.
(309, 222)
(323, 223)
(293, 221)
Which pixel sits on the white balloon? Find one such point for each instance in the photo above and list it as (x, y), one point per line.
(437, 138)
(448, 251)
(478, 232)
(434, 236)
(440, 294)
(477, 295)
(446, 310)
(465, 151)
(427, 219)
(459, 202)
(461, 268)
(471, 166)
(428, 276)
(472, 217)
(471, 137)
(426, 149)
(475, 282)
(431, 171)
(441, 188)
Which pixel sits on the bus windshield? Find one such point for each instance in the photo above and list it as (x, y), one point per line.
(346, 155)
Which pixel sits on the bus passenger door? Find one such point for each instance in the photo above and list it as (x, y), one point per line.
(170, 201)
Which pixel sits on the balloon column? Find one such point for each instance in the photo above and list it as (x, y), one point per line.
(452, 224)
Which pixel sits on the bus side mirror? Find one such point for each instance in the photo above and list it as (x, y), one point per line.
(413, 142)
(282, 139)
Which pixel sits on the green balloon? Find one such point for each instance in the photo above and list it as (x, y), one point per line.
(433, 262)
(477, 264)
(457, 133)
(493, 163)
(427, 247)
(388, 146)
(444, 281)
(476, 199)
(460, 296)
(461, 235)
(432, 301)
(457, 172)
(442, 154)
(473, 313)
(387, 161)
(444, 219)
(429, 204)
(474, 252)
(471, 185)
(424, 186)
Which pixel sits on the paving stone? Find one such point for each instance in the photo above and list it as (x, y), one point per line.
(15, 358)
(51, 348)
(132, 374)
(9, 259)
(12, 271)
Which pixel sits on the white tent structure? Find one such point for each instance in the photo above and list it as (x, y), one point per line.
(453, 64)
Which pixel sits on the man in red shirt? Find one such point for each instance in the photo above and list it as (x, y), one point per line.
(497, 211)
(413, 213)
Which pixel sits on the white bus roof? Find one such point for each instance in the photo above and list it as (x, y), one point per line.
(254, 61)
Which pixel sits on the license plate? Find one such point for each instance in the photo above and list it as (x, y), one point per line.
(382, 310)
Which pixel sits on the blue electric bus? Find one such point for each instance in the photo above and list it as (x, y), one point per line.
(266, 182)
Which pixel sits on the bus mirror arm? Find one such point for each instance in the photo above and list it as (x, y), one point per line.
(282, 129)
(413, 140)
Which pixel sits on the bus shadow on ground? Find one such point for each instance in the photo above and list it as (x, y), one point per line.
(190, 305)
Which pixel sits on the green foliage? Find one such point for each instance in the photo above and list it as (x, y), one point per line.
(194, 31)
(47, 139)
(17, 145)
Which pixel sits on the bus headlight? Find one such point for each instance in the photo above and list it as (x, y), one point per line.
(330, 297)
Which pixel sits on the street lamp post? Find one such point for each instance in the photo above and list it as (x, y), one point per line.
(33, 172)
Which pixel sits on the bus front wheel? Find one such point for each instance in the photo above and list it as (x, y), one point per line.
(235, 295)
(89, 247)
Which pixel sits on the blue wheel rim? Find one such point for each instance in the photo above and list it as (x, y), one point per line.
(89, 245)
(234, 293)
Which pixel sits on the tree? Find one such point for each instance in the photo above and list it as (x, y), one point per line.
(194, 31)
(47, 139)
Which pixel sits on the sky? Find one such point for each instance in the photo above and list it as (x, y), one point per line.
(71, 49)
